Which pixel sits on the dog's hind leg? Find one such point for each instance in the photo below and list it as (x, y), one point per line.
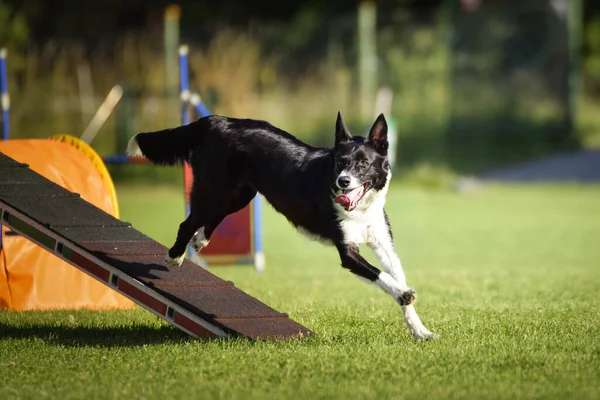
(236, 201)
(200, 239)
(202, 210)
(176, 254)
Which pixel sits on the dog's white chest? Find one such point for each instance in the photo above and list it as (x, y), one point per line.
(366, 222)
(362, 227)
(356, 231)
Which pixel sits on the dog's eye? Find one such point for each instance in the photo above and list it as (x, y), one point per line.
(363, 164)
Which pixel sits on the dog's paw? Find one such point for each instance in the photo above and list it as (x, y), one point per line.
(424, 334)
(407, 297)
(199, 241)
(174, 262)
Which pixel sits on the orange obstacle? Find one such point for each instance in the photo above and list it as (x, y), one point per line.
(32, 278)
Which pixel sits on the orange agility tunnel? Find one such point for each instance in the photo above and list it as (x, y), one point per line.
(32, 278)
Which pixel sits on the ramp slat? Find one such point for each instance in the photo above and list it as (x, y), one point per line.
(222, 301)
(266, 328)
(63, 212)
(108, 234)
(37, 190)
(125, 248)
(153, 271)
(20, 175)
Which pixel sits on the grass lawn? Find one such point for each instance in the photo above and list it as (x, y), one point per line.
(509, 276)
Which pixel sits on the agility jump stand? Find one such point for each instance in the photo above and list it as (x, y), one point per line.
(117, 255)
(238, 239)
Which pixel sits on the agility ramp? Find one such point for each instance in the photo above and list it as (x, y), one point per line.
(131, 263)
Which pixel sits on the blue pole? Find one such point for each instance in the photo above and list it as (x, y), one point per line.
(199, 106)
(5, 98)
(116, 159)
(184, 81)
(5, 105)
(259, 255)
(202, 110)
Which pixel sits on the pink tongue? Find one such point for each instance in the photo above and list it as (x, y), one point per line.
(346, 200)
(343, 200)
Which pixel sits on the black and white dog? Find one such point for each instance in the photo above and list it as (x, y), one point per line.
(334, 195)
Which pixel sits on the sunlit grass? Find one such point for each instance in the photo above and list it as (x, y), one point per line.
(508, 275)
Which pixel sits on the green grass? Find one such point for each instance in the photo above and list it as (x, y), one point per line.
(509, 276)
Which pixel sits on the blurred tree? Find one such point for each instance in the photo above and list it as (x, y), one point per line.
(592, 61)
(13, 27)
(591, 46)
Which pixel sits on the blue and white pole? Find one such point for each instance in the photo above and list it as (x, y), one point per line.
(201, 109)
(184, 95)
(184, 80)
(5, 99)
(259, 255)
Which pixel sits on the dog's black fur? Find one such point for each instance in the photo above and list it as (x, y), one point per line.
(232, 159)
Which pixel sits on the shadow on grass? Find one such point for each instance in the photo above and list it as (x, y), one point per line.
(95, 336)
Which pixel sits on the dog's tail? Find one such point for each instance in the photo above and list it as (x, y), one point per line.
(169, 146)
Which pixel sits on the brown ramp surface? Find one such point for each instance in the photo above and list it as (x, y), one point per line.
(128, 261)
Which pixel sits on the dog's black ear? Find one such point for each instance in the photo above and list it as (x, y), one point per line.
(341, 132)
(378, 135)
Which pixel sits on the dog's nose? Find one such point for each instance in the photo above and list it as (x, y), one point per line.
(343, 181)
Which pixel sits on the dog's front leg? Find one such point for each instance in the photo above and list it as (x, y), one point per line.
(352, 260)
(390, 262)
(380, 241)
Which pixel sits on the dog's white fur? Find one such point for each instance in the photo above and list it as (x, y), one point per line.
(366, 225)
(174, 262)
(199, 241)
(133, 148)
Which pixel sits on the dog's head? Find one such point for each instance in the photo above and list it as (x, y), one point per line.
(361, 166)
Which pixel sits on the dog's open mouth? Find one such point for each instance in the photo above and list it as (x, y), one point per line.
(349, 198)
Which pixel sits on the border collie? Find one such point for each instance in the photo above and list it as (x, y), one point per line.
(334, 195)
